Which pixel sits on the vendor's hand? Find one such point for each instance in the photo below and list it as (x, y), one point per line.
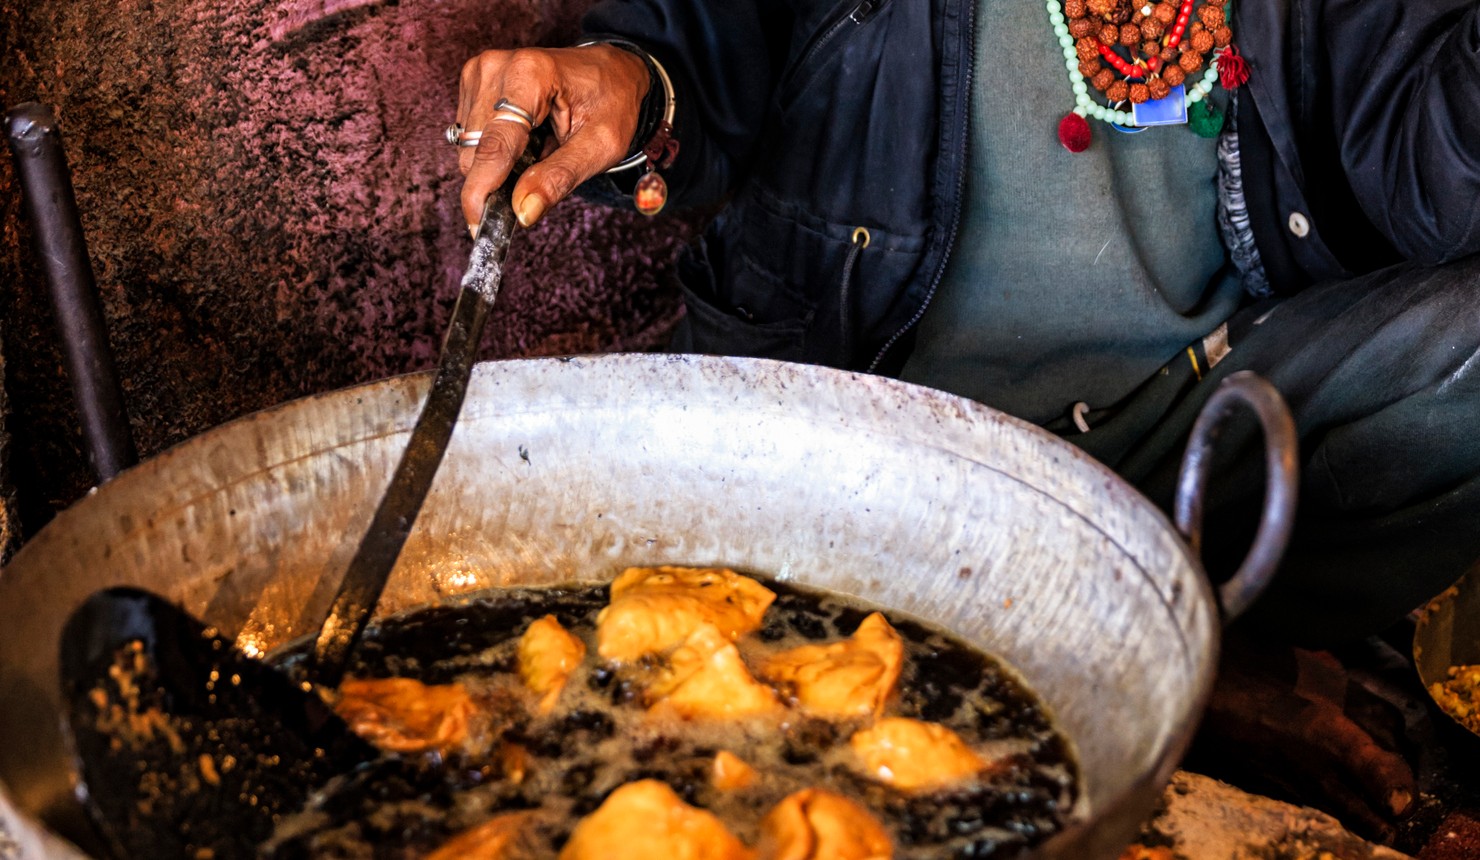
(591, 95)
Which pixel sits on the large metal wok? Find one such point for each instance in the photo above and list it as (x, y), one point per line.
(574, 469)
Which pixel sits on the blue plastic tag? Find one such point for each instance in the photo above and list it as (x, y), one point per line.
(1171, 109)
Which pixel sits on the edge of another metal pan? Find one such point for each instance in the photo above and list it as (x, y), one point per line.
(1447, 634)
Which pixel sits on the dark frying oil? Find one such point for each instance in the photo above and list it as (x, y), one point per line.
(600, 737)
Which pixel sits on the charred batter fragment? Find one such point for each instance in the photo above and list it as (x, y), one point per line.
(808, 627)
(434, 645)
(395, 801)
(846, 619)
(800, 613)
(601, 736)
(598, 725)
(627, 690)
(1018, 809)
(601, 677)
(807, 740)
(584, 728)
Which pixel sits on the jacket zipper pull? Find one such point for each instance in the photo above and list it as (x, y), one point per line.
(860, 241)
(863, 10)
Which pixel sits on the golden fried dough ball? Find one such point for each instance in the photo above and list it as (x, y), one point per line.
(705, 677)
(731, 773)
(548, 653)
(404, 715)
(850, 678)
(912, 754)
(645, 820)
(653, 609)
(813, 824)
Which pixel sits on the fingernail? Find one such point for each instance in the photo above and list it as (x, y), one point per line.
(473, 231)
(530, 210)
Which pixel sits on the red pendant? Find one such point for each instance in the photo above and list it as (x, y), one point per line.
(650, 194)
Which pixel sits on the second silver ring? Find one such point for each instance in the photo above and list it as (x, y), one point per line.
(506, 106)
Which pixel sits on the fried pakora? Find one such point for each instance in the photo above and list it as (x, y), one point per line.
(911, 754)
(654, 609)
(850, 678)
(548, 653)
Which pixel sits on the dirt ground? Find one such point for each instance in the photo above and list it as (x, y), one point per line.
(272, 212)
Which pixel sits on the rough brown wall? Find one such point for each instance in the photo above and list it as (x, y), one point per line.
(272, 212)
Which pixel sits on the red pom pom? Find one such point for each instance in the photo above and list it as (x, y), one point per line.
(1233, 69)
(1074, 133)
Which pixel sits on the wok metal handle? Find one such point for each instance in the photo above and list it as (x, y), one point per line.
(51, 204)
(1278, 516)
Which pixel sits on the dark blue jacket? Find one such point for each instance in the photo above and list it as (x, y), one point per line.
(815, 117)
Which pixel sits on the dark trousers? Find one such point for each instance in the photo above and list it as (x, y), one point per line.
(1382, 373)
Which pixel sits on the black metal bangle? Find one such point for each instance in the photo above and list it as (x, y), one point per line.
(657, 106)
(651, 113)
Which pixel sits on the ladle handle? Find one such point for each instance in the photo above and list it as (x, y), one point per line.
(365, 578)
(1278, 515)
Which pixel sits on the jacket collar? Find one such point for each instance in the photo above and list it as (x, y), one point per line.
(1261, 29)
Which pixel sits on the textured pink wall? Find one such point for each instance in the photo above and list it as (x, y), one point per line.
(272, 211)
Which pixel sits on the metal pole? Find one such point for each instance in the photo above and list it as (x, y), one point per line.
(46, 185)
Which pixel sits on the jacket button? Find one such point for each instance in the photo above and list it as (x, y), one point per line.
(1299, 225)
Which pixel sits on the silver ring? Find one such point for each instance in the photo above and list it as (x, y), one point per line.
(504, 105)
(469, 138)
(453, 133)
(510, 117)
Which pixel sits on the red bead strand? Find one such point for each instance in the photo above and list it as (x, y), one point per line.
(1119, 62)
(1183, 16)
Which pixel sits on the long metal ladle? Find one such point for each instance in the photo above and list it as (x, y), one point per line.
(186, 747)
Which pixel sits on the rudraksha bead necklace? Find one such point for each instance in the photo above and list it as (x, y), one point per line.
(1144, 55)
